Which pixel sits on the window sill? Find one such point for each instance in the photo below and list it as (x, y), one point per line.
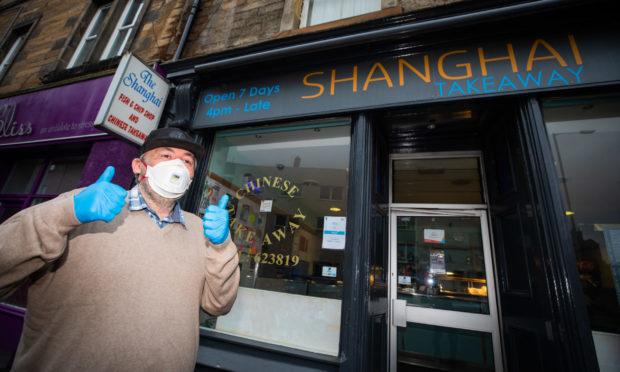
(85, 69)
(267, 347)
(343, 22)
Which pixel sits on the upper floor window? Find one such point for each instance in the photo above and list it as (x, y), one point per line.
(315, 12)
(110, 28)
(11, 47)
(92, 34)
(123, 29)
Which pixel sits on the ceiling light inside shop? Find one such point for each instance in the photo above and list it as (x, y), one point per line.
(569, 213)
(334, 209)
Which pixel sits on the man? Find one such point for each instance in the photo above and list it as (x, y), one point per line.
(116, 285)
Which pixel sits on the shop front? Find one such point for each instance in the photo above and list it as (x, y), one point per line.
(48, 146)
(432, 205)
(449, 208)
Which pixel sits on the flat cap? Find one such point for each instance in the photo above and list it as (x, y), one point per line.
(172, 137)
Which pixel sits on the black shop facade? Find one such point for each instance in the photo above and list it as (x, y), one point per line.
(435, 204)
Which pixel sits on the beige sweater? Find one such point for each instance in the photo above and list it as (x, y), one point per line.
(118, 296)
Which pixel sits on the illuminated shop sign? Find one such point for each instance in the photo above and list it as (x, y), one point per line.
(134, 102)
(507, 66)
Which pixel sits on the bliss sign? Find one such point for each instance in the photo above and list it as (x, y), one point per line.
(9, 127)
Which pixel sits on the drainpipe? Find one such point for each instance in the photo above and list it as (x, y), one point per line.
(188, 26)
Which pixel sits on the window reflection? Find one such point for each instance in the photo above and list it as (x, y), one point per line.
(283, 184)
(585, 136)
(440, 263)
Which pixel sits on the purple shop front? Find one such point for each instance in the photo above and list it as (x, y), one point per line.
(52, 118)
(62, 113)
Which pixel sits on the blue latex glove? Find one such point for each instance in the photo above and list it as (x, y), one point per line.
(215, 221)
(102, 200)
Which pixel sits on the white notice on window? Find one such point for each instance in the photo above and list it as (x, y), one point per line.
(334, 232)
(266, 205)
(330, 271)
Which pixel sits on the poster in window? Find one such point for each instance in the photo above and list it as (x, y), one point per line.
(438, 261)
(435, 236)
(334, 232)
(329, 271)
(245, 211)
(265, 206)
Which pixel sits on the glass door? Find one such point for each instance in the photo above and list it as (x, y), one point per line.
(444, 312)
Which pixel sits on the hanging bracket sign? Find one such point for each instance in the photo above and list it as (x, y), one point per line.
(134, 102)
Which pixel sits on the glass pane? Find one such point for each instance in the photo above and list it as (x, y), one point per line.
(584, 138)
(423, 347)
(8, 58)
(132, 13)
(119, 43)
(90, 37)
(84, 52)
(321, 11)
(291, 267)
(444, 181)
(7, 209)
(22, 176)
(440, 263)
(61, 176)
(97, 25)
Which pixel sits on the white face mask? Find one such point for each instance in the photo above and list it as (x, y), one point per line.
(169, 179)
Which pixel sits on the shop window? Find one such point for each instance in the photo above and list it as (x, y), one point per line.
(584, 135)
(22, 177)
(32, 181)
(315, 12)
(11, 47)
(108, 30)
(291, 272)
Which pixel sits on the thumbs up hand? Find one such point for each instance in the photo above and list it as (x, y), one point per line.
(102, 200)
(215, 221)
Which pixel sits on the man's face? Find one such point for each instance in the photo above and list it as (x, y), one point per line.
(159, 154)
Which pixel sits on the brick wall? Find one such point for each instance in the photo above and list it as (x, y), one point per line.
(226, 24)
(56, 21)
(219, 25)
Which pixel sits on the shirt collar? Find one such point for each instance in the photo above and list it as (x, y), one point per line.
(137, 202)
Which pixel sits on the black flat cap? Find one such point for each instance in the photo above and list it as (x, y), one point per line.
(172, 137)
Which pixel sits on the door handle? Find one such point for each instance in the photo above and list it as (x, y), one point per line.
(399, 313)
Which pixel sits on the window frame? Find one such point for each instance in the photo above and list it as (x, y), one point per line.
(87, 37)
(18, 36)
(305, 13)
(105, 38)
(120, 27)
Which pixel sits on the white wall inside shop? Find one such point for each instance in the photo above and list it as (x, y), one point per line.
(303, 322)
(607, 346)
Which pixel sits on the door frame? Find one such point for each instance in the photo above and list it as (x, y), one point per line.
(465, 320)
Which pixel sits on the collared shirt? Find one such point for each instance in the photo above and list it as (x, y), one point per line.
(136, 203)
